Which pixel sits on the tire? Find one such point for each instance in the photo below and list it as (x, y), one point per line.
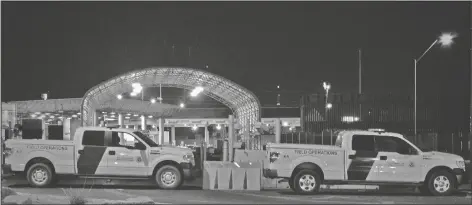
(441, 183)
(40, 175)
(290, 183)
(312, 182)
(169, 177)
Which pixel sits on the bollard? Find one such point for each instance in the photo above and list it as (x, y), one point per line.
(225, 151)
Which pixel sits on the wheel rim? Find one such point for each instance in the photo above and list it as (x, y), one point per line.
(441, 184)
(307, 182)
(39, 176)
(168, 178)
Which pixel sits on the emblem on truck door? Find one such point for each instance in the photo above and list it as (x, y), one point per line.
(139, 159)
(412, 164)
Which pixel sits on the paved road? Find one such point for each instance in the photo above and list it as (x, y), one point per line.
(196, 196)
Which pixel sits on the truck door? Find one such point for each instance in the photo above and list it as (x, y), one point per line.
(124, 159)
(90, 151)
(399, 161)
(360, 162)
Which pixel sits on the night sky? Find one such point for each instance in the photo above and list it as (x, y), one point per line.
(68, 47)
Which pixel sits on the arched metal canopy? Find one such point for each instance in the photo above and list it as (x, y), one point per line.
(243, 103)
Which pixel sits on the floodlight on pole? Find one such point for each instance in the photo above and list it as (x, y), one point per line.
(329, 106)
(445, 40)
(153, 100)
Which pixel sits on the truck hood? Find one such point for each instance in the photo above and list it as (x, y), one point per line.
(442, 155)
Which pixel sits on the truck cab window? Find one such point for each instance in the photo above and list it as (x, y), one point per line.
(94, 138)
(394, 144)
(122, 139)
(363, 143)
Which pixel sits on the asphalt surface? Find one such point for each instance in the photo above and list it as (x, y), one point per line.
(194, 195)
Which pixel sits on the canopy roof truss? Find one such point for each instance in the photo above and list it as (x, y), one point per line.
(242, 102)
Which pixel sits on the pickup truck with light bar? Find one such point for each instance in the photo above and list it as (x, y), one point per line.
(372, 157)
(99, 153)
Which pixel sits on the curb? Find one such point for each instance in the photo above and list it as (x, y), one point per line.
(89, 200)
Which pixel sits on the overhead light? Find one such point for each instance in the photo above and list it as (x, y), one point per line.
(153, 100)
(79, 113)
(127, 126)
(182, 105)
(119, 97)
(136, 85)
(197, 90)
(37, 113)
(33, 115)
(127, 117)
(52, 116)
(150, 116)
(112, 113)
(74, 115)
(112, 116)
(285, 124)
(218, 127)
(153, 126)
(47, 113)
(136, 115)
(329, 105)
(128, 114)
(69, 118)
(104, 112)
(194, 127)
(133, 94)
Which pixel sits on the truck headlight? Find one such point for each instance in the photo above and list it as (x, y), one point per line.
(461, 164)
(188, 157)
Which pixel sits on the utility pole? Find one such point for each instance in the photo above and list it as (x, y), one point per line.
(360, 83)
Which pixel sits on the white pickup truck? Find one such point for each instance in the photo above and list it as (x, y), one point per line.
(371, 157)
(100, 153)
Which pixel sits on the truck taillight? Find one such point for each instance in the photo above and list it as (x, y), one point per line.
(273, 156)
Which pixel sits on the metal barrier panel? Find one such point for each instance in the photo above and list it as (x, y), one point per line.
(232, 176)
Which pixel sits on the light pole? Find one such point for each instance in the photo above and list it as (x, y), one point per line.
(445, 40)
(326, 87)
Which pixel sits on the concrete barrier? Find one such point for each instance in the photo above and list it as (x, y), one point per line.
(231, 176)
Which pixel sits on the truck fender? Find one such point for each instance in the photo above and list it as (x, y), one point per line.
(38, 155)
(308, 162)
(165, 158)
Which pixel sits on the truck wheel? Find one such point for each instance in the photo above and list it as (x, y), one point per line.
(40, 175)
(306, 182)
(441, 183)
(169, 177)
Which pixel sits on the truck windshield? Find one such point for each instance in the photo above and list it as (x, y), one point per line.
(146, 139)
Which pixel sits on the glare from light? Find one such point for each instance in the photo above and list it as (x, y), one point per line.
(218, 127)
(278, 86)
(326, 86)
(356, 119)
(133, 94)
(197, 90)
(153, 100)
(329, 105)
(194, 127)
(136, 85)
(182, 105)
(285, 124)
(150, 116)
(447, 39)
(119, 97)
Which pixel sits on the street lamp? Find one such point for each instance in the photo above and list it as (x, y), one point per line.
(445, 40)
(327, 87)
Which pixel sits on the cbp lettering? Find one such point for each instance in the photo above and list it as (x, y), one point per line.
(315, 152)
